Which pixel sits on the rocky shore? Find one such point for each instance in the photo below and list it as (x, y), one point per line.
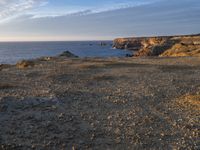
(113, 103)
(164, 46)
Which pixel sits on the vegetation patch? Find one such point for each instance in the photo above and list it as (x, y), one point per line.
(103, 77)
(173, 68)
(190, 101)
(25, 64)
(124, 64)
(6, 86)
(89, 65)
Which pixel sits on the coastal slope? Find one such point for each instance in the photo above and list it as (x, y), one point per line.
(185, 45)
(110, 103)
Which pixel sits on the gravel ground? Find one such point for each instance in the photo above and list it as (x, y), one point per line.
(96, 103)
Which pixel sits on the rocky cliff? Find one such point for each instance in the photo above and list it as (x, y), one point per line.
(187, 45)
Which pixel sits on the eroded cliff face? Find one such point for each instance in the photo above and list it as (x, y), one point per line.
(186, 46)
(161, 46)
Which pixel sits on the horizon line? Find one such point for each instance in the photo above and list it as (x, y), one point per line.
(1, 41)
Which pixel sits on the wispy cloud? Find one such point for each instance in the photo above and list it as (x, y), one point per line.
(110, 5)
(11, 8)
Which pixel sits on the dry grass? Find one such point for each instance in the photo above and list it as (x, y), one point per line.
(24, 64)
(179, 50)
(190, 102)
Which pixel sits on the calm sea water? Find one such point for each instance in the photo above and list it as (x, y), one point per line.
(11, 52)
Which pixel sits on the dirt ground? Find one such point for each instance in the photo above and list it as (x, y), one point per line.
(101, 103)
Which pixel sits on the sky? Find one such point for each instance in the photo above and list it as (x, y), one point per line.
(76, 20)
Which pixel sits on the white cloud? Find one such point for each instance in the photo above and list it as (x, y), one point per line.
(12, 8)
(81, 11)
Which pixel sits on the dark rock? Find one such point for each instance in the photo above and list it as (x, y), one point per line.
(129, 55)
(68, 54)
(3, 108)
(103, 44)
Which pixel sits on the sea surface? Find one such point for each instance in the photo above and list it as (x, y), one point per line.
(11, 52)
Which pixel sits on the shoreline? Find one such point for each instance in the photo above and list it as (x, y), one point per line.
(71, 55)
(34, 50)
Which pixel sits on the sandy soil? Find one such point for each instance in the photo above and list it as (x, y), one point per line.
(94, 103)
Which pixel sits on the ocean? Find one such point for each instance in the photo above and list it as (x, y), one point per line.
(11, 52)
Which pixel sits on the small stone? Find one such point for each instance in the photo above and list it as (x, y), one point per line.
(109, 117)
(117, 131)
(53, 107)
(92, 124)
(61, 115)
(73, 148)
(3, 108)
(162, 134)
(118, 140)
(92, 137)
(33, 146)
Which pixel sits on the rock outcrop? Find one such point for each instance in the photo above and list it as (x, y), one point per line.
(68, 54)
(188, 45)
(4, 66)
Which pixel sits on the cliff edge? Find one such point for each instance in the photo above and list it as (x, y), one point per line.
(173, 46)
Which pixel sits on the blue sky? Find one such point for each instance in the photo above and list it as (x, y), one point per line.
(38, 20)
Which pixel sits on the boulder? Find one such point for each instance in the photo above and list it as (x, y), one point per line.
(68, 54)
